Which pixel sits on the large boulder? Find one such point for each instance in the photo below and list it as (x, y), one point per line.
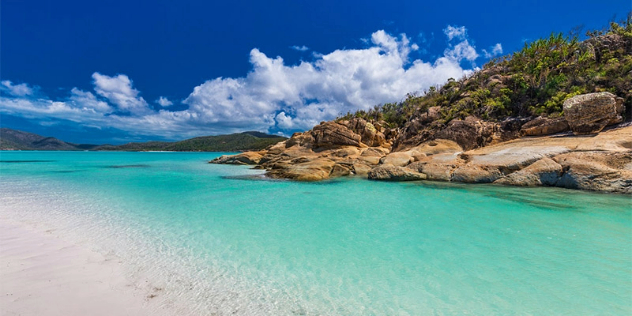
(399, 159)
(439, 167)
(469, 133)
(373, 155)
(302, 139)
(332, 134)
(544, 126)
(245, 158)
(470, 173)
(437, 146)
(596, 171)
(394, 173)
(304, 169)
(542, 172)
(361, 169)
(341, 170)
(433, 114)
(370, 133)
(590, 113)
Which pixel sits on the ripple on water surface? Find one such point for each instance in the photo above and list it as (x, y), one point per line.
(211, 236)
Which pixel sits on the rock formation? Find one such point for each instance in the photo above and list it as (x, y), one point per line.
(590, 113)
(394, 173)
(544, 126)
(469, 150)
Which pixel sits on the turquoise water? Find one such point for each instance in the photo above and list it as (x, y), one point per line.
(223, 241)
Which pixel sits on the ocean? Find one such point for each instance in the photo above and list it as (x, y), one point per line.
(222, 239)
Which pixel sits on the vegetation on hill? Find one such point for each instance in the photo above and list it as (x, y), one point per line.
(18, 140)
(11, 139)
(232, 142)
(533, 81)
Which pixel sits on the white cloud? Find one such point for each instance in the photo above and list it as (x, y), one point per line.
(284, 121)
(272, 97)
(118, 90)
(300, 96)
(458, 32)
(87, 100)
(495, 51)
(462, 50)
(164, 102)
(300, 48)
(19, 90)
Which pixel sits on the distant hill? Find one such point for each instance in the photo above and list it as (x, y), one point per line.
(11, 139)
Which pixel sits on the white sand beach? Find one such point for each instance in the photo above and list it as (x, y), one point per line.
(44, 274)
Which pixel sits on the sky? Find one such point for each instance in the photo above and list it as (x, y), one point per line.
(121, 71)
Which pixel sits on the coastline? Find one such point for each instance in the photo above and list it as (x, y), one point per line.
(45, 274)
(601, 162)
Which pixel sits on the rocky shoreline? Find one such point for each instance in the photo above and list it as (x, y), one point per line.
(573, 151)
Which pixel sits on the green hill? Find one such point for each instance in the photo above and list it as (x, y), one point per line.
(18, 140)
(232, 142)
(533, 81)
(11, 139)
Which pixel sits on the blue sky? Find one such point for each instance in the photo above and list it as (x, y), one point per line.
(119, 71)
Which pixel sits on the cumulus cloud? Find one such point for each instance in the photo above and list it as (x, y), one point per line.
(19, 90)
(119, 91)
(87, 100)
(494, 51)
(164, 102)
(458, 32)
(462, 50)
(272, 97)
(300, 48)
(341, 81)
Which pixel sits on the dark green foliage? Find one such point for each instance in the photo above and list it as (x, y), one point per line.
(18, 140)
(232, 142)
(533, 81)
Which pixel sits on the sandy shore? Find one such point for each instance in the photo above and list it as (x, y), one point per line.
(43, 274)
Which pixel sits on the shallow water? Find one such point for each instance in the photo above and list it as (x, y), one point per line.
(223, 241)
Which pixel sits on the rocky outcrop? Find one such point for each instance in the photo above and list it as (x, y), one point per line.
(332, 134)
(590, 113)
(246, 158)
(370, 133)
(470, 173)
(433, 114)
(602, 162)
(544, 126)
(469, 133)
(304, 169)
(596, 171)
(399, 159)
(545, 172)
(608, 43)
(394, 173)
